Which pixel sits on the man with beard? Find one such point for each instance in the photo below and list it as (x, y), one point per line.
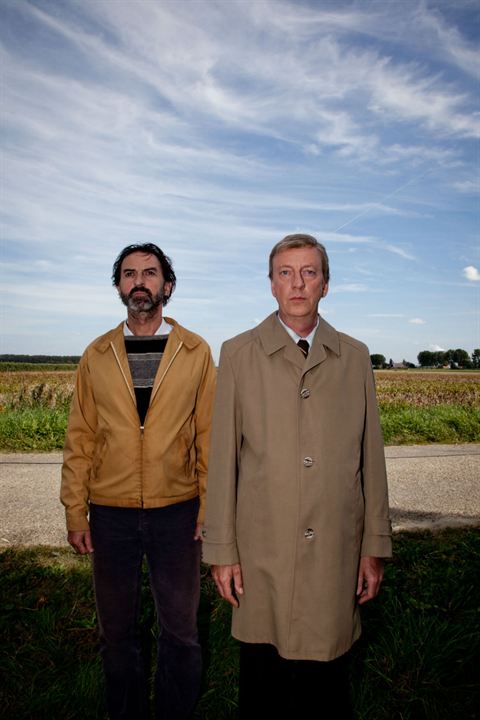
(133, 485)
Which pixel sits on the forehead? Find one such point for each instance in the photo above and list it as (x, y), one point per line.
(298, 257)
(139, 260)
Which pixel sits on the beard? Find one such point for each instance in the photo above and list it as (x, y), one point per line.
(144, 303)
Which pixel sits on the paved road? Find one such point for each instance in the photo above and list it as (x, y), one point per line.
(431, 486)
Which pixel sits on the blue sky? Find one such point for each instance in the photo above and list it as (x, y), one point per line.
(216, 128)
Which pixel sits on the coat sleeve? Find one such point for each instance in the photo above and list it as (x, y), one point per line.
(203, 421)
(78, 451)
(376, 539)
(219, 536)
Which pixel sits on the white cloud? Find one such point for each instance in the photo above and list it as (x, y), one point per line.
(469, 187)
(386, 315)
(436, 348)
(349, 288)
(417, 321)
(399, 251)
(471, 273)
(215, 128)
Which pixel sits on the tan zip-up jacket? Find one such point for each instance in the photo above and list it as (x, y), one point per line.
(109, 459)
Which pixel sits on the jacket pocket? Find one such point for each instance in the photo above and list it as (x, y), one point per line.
(98, 455)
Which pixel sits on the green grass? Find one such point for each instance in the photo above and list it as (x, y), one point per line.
(417, 658)
(405, 424)
(42, 429)
(33, 429)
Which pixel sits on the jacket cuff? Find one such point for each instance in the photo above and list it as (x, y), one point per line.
(76, 521)
(219, 553)
(201, 512)
(376, 546)
(377, 537)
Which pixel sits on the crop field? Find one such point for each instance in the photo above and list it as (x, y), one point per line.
(427, 389)
(34, 409)
(415, 407)
(427, 407)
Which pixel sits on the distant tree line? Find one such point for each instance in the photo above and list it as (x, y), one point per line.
(379, 362)
(42, 359)
(434, 359)
(449, 358)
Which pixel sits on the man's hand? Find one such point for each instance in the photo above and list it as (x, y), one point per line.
(81, 541)
(225, 576)
(370, 576)
(198, 531)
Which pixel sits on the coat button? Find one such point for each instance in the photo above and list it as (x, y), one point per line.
(305, 393)
(308, 461)
(309, 534)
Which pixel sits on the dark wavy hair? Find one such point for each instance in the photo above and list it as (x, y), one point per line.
(149, 249)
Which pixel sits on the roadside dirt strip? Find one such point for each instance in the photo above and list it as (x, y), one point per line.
(431, 487)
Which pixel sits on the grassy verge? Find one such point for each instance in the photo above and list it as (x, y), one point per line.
(404, 425)
(417, 659)
(43, 429)
(33, 429)
(414, 407)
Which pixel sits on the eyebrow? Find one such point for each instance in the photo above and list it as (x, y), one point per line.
(127, 269)
(303, 267)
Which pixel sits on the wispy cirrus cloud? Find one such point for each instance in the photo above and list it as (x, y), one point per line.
(216, 128)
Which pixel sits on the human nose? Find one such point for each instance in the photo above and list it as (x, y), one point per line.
(297, 279)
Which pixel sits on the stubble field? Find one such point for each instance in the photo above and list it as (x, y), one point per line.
(415, 407)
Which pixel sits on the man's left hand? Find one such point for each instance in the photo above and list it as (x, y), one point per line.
(370, 576)
(198, 531)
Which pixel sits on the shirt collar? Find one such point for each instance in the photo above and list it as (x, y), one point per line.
(164, 328)
(294, 335)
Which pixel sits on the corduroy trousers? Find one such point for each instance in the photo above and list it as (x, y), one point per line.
(121, 538)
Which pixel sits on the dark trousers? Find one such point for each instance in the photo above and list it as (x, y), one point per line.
(273, 687)
(121, 538)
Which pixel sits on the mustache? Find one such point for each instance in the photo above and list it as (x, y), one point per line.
(140, 288)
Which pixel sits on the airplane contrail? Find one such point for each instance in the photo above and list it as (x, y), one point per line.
(387, 197)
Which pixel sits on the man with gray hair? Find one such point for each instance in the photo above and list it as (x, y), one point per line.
(297, 518)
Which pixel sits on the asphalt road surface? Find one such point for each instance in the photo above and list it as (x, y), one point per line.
(430, 486)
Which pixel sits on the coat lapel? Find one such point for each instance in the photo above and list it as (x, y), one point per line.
(274, 337)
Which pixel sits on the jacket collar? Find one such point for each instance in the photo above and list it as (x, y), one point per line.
(178, 338)
(274, 337)
(181, 334)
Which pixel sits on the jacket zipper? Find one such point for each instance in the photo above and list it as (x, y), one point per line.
(142, 430)
(132, 394)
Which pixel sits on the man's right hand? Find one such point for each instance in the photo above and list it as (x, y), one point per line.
(81, 541)
(225, 577)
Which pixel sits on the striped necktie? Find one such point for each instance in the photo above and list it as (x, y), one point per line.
(304, 346)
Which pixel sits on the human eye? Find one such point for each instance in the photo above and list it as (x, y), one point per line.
(128, 273)
(309, 272)
(150, 272)
(284, 272)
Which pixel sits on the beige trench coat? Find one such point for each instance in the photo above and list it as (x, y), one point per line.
(297, 487)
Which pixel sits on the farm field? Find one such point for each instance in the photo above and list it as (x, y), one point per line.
(415, 407)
